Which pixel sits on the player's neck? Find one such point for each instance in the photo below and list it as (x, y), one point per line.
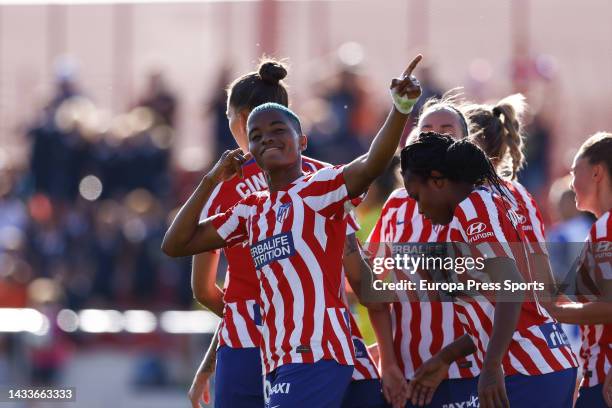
(604, 202)
(460, 193)
(279, 178)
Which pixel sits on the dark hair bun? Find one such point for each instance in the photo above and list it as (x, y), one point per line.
(272, 72)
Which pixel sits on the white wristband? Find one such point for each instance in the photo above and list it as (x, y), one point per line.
(402, 103)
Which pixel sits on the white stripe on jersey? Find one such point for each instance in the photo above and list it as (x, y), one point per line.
(310, 260)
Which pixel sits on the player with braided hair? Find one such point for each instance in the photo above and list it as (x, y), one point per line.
(511, 340)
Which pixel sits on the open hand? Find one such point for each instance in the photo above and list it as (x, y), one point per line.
(426, 380)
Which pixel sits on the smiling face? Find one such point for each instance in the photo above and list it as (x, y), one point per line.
(432, 195)
(442, 120)
(274, 139)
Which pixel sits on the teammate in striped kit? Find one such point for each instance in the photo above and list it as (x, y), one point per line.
(518, 346)
(497, 130)
(592, 182)
(421, 329)
(296, 233)
(238, 368)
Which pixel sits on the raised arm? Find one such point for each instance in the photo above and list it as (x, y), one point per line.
(188, 236)
(361, 172)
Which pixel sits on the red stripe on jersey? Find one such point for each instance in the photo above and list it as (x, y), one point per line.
(528, 354)
(365, 368)
(296, 243)
(243, 287)
(420, 330)
(596, 348)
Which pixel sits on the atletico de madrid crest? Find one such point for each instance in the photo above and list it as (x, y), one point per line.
(283, 211)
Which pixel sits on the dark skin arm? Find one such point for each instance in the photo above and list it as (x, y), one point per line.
(359, 275)
(432, 372)
(187, 235)
(491, 386)
(361, 172)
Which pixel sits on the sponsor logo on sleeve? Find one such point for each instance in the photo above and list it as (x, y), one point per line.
(272, 249)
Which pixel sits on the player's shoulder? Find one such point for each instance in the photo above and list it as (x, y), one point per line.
(396, 199)
(477, 202)
(312, 165)
(601, 230)
(324, 174)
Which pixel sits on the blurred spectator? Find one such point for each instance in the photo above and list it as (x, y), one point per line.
(217, 109)
(49, 351)
(160, 99)
(343, 118)
(535, 175)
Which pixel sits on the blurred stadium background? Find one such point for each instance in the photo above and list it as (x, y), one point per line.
(109, 113)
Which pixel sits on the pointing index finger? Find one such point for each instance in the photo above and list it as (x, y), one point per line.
(412, 65)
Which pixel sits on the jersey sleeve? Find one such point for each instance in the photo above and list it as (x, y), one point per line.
(232, 224)
(326, 192)
(486, 229)
(212, 205)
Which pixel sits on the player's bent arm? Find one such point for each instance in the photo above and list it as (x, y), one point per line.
(583, 313)
(203, 281)
(462, 347)
(186, 235)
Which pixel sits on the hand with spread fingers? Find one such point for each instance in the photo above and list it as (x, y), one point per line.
(426, 380)
(406, 90)
(229, 165)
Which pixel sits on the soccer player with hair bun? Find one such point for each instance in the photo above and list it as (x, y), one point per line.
(592, 183)
(295, 231)
(234, 353)
(497, 129)
(521, 353)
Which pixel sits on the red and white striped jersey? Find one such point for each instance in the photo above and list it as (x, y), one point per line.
(241, 316)
(530, 218)
(420, 329)
(596, 349)
(365, 368)
(538, 345)
(296, 238)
